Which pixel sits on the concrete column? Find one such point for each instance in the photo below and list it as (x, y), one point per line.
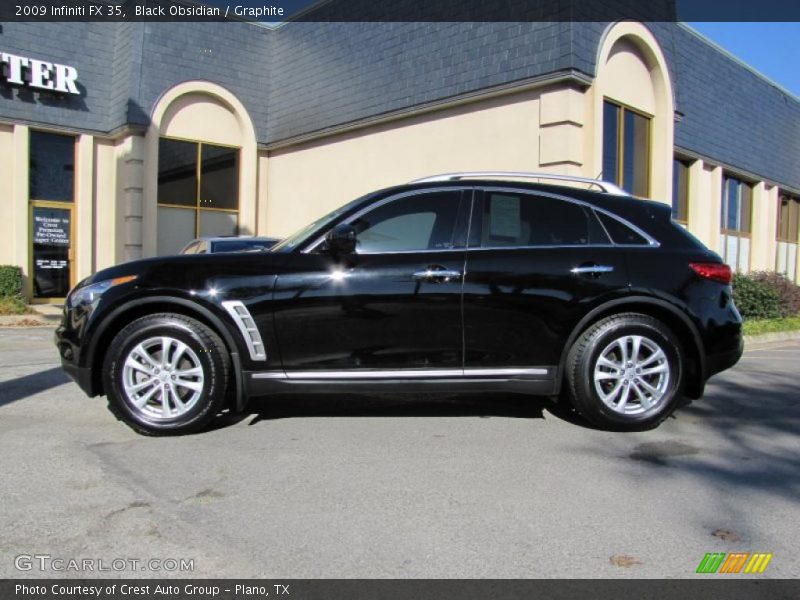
(20, 216)
(762, 236)
(108, 237)
(705, 203)
(7, 249)
(137, 219)
(561, 134)
(83, 245)
(262, 196)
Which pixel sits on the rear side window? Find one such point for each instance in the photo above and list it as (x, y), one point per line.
(511, 219)
(620, 233)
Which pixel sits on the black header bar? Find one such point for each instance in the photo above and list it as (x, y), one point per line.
(272, 13)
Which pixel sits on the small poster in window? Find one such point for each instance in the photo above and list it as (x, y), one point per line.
(51, 227)
(504, 217)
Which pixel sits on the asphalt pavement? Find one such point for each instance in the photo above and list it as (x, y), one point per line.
(416, 486)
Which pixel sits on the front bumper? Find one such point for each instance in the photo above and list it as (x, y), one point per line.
(80, 375)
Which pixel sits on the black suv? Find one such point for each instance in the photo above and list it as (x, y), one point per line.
(468, 281)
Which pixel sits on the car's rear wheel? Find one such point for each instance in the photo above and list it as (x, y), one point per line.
(626, 372)
(166, 374)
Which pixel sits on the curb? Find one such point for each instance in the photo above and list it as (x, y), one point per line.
(778, 336)
(25, 321)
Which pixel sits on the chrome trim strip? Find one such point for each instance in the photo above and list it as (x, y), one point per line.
(399, 374)
(247, 326)
(606, 186)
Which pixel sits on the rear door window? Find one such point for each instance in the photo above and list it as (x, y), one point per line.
(513, 219)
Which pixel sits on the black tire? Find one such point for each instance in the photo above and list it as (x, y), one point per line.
(582, 360)
(208, 351)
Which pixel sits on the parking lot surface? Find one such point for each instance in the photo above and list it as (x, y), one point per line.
(404, 486)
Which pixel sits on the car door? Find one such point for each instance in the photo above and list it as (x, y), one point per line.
(394, 305)
(536, 263)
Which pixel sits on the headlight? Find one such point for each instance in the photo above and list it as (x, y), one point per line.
(90, 294)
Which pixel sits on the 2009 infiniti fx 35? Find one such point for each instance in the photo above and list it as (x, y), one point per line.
(457, 282)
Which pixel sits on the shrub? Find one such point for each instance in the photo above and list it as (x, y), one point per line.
(754, 299)
(10, 281)
(788, 292)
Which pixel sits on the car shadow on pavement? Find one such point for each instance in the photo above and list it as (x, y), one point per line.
(517, 406)
(30, 385)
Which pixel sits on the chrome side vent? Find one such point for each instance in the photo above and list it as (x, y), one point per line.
(244, 321)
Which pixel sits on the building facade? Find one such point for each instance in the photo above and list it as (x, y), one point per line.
(126, 140)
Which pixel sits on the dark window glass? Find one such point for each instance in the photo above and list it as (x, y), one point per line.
(178, 185)
(525, 220)
(421, 222)
(52, 166)
(626, 148)
(177, 172)
(621, 233)
(635, 154)
(680, 190)
(219, 177)
(611, 142)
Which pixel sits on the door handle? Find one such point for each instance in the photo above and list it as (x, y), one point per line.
(436, 274)
(591, 269)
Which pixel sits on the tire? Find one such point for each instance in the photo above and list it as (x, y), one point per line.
(194, 377)
(624, 398)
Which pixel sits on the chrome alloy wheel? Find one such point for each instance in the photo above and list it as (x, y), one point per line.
(632, 375)
(162, 378)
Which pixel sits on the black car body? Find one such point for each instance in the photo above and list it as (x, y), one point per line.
(449, 283)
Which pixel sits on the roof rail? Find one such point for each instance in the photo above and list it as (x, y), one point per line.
(605, 186)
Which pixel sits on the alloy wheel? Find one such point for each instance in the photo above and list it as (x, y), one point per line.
(632, 375)
(162, 378)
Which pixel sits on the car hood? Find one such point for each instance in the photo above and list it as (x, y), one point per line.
(192, 269)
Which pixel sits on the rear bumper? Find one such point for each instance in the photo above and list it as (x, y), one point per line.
(716, 363)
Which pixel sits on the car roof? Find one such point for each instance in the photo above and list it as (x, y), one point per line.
(233, 238)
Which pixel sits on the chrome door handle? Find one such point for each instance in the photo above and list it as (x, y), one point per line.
(437, 274)
(592, 269)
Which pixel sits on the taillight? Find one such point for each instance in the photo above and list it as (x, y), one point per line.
(714, 271)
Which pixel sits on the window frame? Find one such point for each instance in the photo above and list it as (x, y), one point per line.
(618, 178)
(197, 208)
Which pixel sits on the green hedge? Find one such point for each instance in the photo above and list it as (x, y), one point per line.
(765, 295)
(10, 281)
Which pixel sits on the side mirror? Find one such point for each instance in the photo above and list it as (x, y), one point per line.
(341, 240)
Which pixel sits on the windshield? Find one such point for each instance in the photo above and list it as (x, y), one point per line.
(293, 240)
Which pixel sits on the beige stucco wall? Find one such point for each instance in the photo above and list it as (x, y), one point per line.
(308, 180)
(7, 246)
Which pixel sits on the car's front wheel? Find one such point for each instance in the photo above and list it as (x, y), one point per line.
(626, 372)
(166, 374)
